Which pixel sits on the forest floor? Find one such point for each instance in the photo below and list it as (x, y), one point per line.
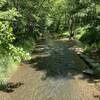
(54, 73)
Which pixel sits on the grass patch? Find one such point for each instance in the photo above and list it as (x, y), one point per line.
(7, 67)
(66, 34)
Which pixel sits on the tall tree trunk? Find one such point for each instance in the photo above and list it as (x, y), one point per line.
(65, 24)
(71, 22)
(58, 24)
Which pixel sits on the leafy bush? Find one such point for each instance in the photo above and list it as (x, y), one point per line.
(6, 43)
(97, 72)
(88, 49)
(10, 55)
(88, 34)
(66, 34)
(17, 53)
(80, 32)
(27, 44)
(7, 67)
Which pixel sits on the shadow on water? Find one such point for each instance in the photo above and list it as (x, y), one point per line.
(10, 87)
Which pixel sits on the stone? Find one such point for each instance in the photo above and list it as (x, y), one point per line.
(90, 60)
(84, 56)
(95, 64)
(88, 71)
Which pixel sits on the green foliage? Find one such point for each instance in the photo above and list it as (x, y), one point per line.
(88, 49)
(88, 34)
(18, 54)
(10, 54)
(98, 8)
(27, 45)
(80, 32)
(97, 72)
(6, 35)
(7, 67)
(67, 34)
(9, 15)
(2, 3)
(22, 22)
(98, 48)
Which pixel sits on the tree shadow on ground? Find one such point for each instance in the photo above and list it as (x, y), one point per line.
(54, 66)
(57, 68)
(10, 87)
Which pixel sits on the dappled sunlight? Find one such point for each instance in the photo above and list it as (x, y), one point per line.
(54, 44)
(77, 49)
(53, 72)
(55, 61)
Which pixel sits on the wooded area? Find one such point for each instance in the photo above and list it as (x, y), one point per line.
(23, 22)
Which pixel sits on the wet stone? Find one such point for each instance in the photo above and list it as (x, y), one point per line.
(89, 60)
(88, 71)
(84, 56)
(95, 64)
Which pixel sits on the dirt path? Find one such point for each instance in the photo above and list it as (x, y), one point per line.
(54, 74)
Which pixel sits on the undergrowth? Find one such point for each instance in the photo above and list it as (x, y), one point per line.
(9, 61)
